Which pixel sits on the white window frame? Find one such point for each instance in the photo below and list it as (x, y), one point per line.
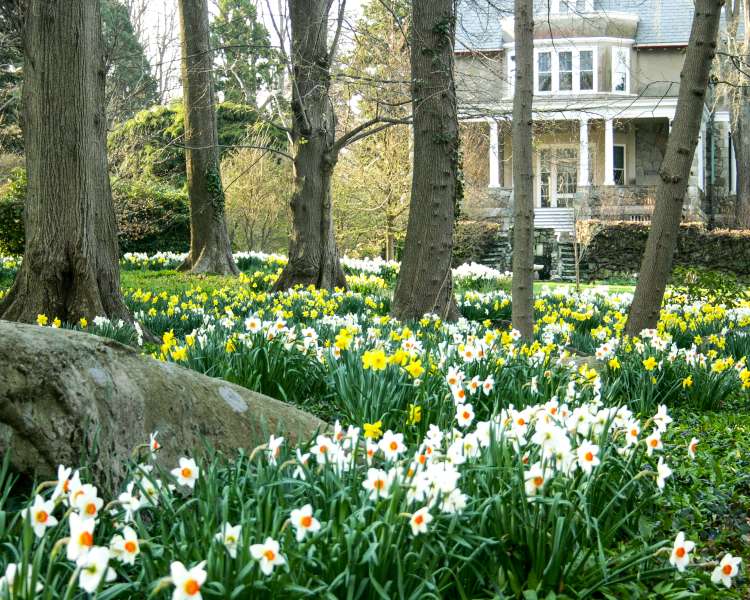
(613, 63)
(555, 54)
(624, 164)
(556, 6)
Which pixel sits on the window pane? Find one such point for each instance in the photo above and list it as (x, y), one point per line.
(565, 69)
(587, 80)
(545, 82)
(545, 168)
(544, 68)
(566, 61)
(619, 157)
(587, 60)
(619, 165)
(545, 62)
(567, 171)
(620, 69)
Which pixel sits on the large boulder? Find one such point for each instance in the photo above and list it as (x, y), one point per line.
(71, 398)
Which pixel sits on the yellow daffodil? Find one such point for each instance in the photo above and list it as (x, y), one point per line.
(373, 431)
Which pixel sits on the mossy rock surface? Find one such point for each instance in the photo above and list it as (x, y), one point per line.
(70, 398)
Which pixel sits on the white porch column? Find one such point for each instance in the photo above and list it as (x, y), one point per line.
(494, 156)
(609, 152)
(583, 153)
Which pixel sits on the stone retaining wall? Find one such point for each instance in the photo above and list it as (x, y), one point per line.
(616, 248)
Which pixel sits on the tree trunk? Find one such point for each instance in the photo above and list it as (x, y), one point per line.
(425, 281)
(740, 118)
(210, 249)
(70, 268)
(313, 254)
(674, 172)
(522, 307)
(389, 230)
(67, 397)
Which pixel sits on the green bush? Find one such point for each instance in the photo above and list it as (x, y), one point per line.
(151, 217)
(12, 197)
(150, 144)
(472, 240)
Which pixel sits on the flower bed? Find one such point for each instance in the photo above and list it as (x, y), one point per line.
(468, 464)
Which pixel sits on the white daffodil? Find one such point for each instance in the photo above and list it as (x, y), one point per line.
(8, 580)
(378, 483)
(268, 555)
(187, 473)
(40, 515)
(662, 472)
(274, 448)
(681, 552)
(304, 522)
(420, 520)
(86, 501)
(692, 447)
(81, 536)
(726, 570)
(63, 482)
(653, 442)
(125, 547)
(187, 582)
(94, 567)
(392, 445)
(464, 414)
(587, 456)
(229, 536)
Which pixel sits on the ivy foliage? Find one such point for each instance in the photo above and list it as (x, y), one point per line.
(150, 145)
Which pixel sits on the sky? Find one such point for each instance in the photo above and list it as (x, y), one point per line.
(157, 11)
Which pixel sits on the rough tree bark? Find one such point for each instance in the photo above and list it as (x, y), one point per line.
(739, 101)
(66, 397)
(675, 169)
(313, 254)
(210, 249)
(740, 119)
(523, 179)
(425, 281)
(70, 268)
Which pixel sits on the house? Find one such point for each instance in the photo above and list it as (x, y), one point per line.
(606, 81)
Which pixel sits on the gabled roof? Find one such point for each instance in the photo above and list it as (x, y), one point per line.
(659, 21)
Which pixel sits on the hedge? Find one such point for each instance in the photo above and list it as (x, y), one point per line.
(472, 240)
(151, 216)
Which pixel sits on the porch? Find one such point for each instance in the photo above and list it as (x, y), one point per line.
(587, 168)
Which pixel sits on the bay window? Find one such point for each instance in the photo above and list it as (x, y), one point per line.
(570, 6)
(564, 70)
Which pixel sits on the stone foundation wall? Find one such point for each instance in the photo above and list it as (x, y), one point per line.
(616, 248)
(633, 203)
